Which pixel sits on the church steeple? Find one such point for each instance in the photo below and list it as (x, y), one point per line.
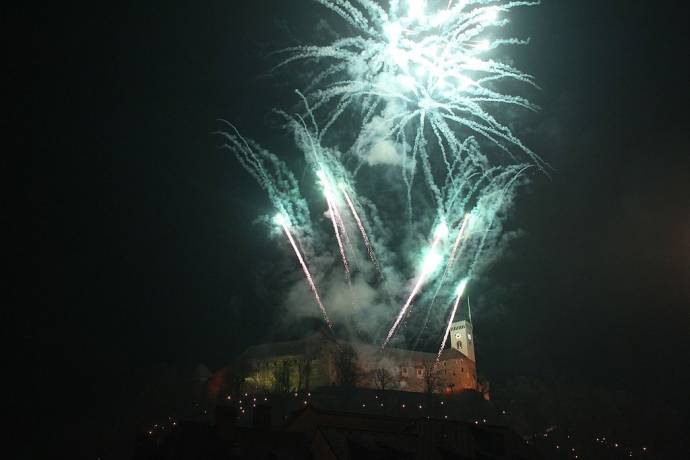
(461, 335)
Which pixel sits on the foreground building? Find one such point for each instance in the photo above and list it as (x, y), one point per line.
(312, 433)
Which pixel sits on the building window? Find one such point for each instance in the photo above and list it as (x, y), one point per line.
(404, 371)
(419, 372)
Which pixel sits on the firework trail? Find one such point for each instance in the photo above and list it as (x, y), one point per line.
(336, 220)
(362, 231)
(409, 67)
(423, 89)
(430, 263)
(461, 233)
(447, 270)
(282, 220)
(460, 290)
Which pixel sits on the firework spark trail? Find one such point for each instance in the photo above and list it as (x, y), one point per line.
(458, 239)
(282, 221)
(460, 291)
(336, 230)
(447, 270)
(429, 265)
(411, 66)
(367, 244)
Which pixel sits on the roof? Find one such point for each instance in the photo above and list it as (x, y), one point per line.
(298, 347)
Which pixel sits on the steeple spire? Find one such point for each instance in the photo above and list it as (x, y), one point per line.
(469, 309)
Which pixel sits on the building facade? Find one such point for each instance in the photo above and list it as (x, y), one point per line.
(313, 362)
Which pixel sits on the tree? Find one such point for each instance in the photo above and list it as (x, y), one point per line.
(432, 379)
(383, 379)
(346, 372)
(281, 375)
(304, 365)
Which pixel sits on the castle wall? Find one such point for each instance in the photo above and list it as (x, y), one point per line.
(405, 370)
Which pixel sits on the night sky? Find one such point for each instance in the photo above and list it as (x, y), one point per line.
(142, 253)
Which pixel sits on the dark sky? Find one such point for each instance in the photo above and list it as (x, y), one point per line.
(141, 250)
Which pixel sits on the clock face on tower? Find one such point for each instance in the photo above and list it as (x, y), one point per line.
(457, 335)
(469, 336)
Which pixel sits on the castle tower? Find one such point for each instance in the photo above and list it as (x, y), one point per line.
(462, 338)
(461, 335)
